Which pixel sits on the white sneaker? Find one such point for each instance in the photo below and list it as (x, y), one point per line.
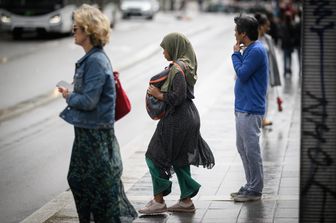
(153, 207)
(180, 206)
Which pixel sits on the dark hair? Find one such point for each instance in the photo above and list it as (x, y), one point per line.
(248, 25)
(261, 18)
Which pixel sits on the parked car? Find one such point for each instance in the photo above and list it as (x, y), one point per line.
(146, 8)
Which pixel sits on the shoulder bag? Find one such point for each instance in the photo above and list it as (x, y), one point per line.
(156, 108)
(122, 104)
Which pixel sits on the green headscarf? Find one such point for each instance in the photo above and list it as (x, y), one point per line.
(179, 48)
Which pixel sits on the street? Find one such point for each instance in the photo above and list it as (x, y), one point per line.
(35, 144)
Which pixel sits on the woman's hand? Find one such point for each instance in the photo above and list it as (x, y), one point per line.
(154, 91)
(64, 92)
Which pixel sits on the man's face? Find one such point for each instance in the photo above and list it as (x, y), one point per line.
(239, 36)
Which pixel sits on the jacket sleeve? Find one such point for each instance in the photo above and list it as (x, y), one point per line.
(245, 68)
(94, 79)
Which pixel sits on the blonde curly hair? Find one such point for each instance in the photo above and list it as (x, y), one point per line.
(94, 23)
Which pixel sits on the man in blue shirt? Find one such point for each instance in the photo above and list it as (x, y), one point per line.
(251, 69)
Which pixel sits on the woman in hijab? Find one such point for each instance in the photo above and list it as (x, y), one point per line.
(176, 143)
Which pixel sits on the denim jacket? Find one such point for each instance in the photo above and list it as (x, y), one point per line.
(92, 103)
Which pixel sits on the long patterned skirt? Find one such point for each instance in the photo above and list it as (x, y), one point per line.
(95, 177)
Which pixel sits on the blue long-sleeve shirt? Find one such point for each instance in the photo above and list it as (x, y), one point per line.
(251, 83)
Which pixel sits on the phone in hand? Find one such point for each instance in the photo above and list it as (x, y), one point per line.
(64, 84)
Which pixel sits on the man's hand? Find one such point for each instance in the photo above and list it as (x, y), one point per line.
(237, 47)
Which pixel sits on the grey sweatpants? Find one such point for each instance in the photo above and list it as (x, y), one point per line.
(248, 130)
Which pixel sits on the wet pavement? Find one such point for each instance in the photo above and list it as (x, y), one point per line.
(280, 150)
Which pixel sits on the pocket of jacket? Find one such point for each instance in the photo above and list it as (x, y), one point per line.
(78, 81)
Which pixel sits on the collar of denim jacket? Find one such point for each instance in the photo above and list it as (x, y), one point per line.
(92, 51)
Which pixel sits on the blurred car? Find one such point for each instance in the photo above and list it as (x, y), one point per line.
(146, 8)
(42, 16)
(239, 6)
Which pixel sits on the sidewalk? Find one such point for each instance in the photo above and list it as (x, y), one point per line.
(281, 150)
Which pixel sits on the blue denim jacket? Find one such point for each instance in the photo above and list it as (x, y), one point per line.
(92, 103)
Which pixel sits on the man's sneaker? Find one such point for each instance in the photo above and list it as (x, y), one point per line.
(182, 207)
(153, 207)
(247, 196)
(235, 194)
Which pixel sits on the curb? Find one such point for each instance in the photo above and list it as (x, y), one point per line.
(28, 105)
(49, 209)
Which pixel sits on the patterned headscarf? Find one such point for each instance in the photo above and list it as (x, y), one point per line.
(179, 48)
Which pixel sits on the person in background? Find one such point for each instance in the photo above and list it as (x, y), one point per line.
(176, 143)
(183, 5)
(250, 89)
(200, 5)
(183, 12)
(287, 42)
(172, 5)
(297, 36)
(266, 40)
(95, 167)
(273, 28)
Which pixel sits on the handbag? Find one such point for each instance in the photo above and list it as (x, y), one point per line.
(122, 104)
(156, 108)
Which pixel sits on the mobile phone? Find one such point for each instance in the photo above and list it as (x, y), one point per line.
(64, 84)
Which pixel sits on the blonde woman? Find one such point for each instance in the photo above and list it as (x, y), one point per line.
(95, 166)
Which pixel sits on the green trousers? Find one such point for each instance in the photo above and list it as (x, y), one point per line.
(188, 186)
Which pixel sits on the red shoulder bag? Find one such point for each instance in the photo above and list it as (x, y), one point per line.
(123, 104)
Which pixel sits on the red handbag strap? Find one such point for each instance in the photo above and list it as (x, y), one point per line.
(116, 78)
(158, 80)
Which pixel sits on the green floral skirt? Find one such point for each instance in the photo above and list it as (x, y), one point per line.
(95, 177)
